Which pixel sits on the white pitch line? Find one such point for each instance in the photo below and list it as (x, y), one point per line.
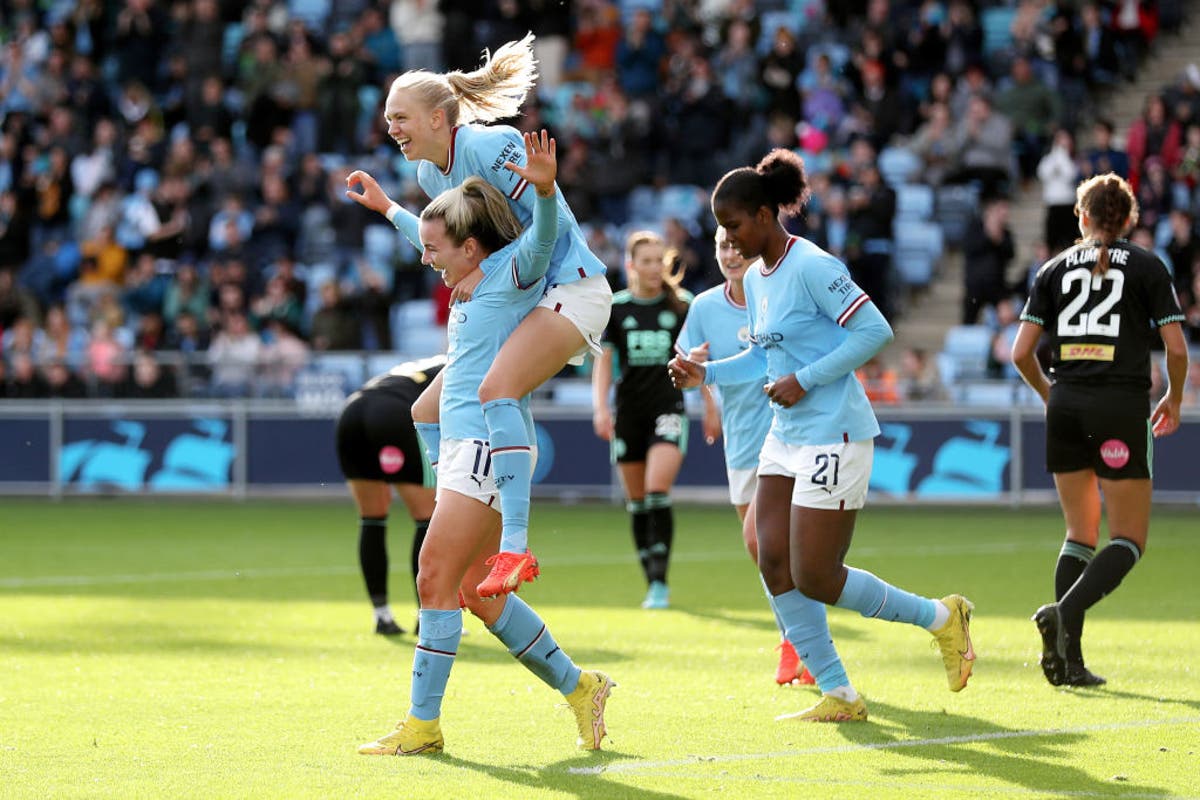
(240, 573)
(990, 736)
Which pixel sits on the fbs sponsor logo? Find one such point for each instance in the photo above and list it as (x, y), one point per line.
(391, 459)
(1086, 352)
(1114, 453)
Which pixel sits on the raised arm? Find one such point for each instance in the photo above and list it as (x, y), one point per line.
(375, 198)
(537, 243)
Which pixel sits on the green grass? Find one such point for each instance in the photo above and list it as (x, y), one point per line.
(171, 649)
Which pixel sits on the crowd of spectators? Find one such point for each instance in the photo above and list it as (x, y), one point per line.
(172, 216)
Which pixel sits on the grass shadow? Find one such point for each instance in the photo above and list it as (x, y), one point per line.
(558, 777)
(1022, 758)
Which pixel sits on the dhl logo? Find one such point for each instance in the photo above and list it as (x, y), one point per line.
(1086, 352)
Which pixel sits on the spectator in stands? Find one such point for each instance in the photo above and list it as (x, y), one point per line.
(15, 301)
(188, 292)
(1099, 49)
(335, 325)
(234, 357)
(1103, 156)
(880, 382)
(1182, 251)
(964, 37)
(278, 303)
(918, 380)
(639, 55)
(1033, 109)
(884, 105)
(1191, 304)
(833, 232)
(62, 382)
(105, 361)
(1187, 174)
(988, 250)
(736, 67)
(145, 289)
(934, 144)
(999, 363)
(148, 380)
(1152, 135)
(283, 356)
(1059, 175)
(872, 207)
(1154, 194)
(983, 142)
(150, 334)
(778, 74)
(24, 380)
(418, 24)
(597, 37)
(61, 341)
(23, 336)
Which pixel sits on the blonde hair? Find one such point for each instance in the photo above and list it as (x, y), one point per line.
(476, 209)
(1111, 209)
(672, 270)
(494, 91)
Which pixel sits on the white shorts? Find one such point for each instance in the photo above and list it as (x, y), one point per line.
(465, 467)
(587, 303)
(827, 475)
(742, 483)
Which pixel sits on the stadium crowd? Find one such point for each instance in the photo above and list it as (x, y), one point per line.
(172, 172)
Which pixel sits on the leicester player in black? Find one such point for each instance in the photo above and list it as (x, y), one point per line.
(649, 431)
(378, 451)
(1101, 302)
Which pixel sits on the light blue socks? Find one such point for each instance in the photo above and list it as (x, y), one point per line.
(528, 639)
(512, 468)
(436, 647)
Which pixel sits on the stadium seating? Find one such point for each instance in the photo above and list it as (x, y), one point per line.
(898, 166)
(918, 249)
(964, 353)
(914, 202)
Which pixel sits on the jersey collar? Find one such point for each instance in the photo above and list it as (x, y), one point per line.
(450, 154)
(764, 271)
(729, 298)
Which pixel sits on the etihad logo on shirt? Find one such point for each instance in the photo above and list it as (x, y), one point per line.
(767, 340)
(1086, 352)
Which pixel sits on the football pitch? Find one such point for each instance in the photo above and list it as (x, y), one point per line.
(214, 649)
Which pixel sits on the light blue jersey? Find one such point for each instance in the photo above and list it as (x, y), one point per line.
(715, 317)
(513, 283)
(483, 150)
(799, 311)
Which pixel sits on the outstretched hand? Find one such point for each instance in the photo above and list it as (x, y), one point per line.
(1165, 419)
(372, 196)
(541, 162)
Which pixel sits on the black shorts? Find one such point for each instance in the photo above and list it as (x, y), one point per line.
(638, 428)
(1104, 430)
(376, 441)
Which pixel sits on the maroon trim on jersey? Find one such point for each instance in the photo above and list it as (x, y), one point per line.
(729, 298)
(517, 277)
(764, 271)
(519, 189)
(858, 303)
(845, 437)
(841, 505)
(557, 307)
(450, 154)
(515, 448)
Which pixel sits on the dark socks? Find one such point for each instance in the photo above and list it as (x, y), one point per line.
(640, 522)
(660, 535)
(1099, 578)
(1072, 561)
(373, 558)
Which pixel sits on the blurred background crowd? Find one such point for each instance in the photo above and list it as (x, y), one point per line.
(172, 172)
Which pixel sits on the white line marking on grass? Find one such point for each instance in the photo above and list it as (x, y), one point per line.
(704, 557)
(990, 736)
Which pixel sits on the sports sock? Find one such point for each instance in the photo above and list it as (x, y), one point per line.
(512, 469)
(660, 535)
(778, 621)
(639, 520)
(430, 434)
(1099, 578)
(529, 640)
(807, 629)
(422, 527)
(1072, 561)
(436, 647)
(873, 597)
(373, 558)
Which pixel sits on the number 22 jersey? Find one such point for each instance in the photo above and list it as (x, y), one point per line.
(1101, 326)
